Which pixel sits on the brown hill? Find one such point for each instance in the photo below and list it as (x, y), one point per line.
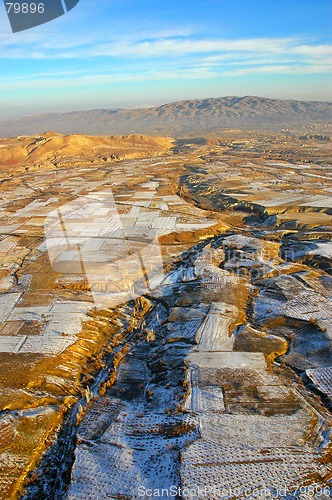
(185, 117)
(66, 150)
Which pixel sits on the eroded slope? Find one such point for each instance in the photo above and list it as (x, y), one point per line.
(212, 367)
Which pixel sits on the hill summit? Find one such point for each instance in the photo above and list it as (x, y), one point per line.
(182, 118)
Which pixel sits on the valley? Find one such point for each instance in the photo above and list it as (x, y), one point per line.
(166, 316)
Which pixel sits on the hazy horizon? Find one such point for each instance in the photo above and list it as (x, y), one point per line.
(147, 106)
(121, 54)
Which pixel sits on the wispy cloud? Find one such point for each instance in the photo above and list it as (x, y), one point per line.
(166, 57)
(150, 44)
(184, 46)
(106, 52)
(88, 63)
(199, 71)
(161, 56)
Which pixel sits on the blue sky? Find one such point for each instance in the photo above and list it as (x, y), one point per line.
(127, 53)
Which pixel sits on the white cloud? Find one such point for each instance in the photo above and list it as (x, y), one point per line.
(280, 69)
(198, 71)
(180, 46)
(150, 44)
(313, 50)
(170, 47)
(165, 57)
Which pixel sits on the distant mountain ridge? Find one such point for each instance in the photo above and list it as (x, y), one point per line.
(180, 118)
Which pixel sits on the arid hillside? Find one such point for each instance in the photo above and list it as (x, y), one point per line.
(184, 117)
(53, 149)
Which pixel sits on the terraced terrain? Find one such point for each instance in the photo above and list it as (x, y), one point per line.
(166, 322)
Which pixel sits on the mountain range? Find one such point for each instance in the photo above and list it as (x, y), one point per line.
(177, 119)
